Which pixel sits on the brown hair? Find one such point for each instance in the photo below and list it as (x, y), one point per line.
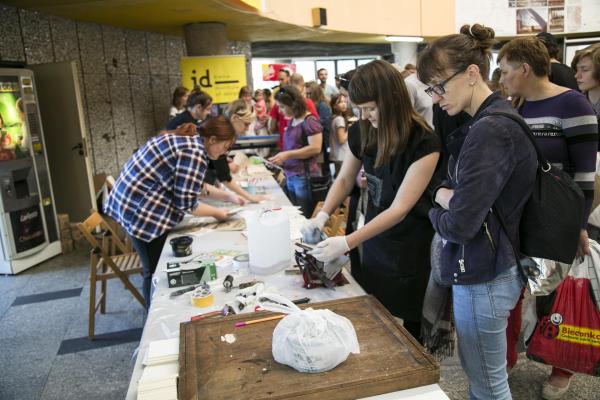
(219, 127)
(529, 50)
(316, 92)
(335, 98)
(245, 91)
(593, 52)
(297, 79)
(456, 52)
(199, 98)
(381, 82)
(178, 94)
(290, 96)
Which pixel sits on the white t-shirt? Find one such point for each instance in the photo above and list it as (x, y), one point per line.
(421, 100)
(338, 152)
(174, 111)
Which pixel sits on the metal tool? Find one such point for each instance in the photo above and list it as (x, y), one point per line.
(182, 291)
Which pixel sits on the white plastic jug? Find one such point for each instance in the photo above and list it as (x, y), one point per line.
(269, 243)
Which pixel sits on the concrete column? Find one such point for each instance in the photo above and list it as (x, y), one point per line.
(404, 53)
(205, 39)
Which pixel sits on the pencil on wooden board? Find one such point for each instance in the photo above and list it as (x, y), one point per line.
(256, 321)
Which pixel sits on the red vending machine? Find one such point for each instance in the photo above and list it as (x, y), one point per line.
(28, 226)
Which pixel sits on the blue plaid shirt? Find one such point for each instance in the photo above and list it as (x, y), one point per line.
(158, 185)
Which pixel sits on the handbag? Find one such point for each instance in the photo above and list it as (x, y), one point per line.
(319, 184)
(551, 220)
(567, 335)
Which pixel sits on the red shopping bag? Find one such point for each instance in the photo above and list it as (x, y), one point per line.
(568, 336)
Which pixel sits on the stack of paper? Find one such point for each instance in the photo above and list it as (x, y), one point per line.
(162, 351)
(159, 377)
(159, 382)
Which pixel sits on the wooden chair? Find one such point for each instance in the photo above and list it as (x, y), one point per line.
(110, 258)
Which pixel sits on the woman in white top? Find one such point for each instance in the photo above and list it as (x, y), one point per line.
(180, 96)
(341, 120)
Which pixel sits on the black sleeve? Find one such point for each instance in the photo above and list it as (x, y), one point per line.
(427, 144)
(222, 169)
(354, 140)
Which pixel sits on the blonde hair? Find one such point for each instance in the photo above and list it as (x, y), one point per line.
(241, 110)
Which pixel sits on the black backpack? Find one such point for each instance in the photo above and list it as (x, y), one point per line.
(551, 221)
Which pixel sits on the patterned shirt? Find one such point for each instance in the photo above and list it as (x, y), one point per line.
(566, 130)
(158, 185)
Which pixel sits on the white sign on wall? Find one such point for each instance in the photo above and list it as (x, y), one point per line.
(523, 17)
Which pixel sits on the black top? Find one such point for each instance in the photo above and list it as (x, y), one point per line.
(563, 75)
(384, 181)
(180, 119)
(218, 170)
(395, 264)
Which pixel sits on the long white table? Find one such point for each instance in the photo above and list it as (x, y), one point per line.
(167, 313)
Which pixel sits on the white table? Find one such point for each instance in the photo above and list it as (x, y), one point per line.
(166, 314)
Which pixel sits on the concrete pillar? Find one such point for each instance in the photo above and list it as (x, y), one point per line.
(205, 39)
(404, 53)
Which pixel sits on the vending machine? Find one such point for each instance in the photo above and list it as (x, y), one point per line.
(28, 226)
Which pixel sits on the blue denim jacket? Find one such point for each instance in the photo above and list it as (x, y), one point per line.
(492, 162)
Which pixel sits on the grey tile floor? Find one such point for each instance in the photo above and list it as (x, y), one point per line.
(31, 336)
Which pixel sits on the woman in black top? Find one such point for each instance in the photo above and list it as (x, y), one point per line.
(400, 154)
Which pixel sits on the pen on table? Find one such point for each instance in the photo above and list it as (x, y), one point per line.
(256, 321)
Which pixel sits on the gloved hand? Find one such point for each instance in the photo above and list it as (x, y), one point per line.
(311, 230)
(330, 249)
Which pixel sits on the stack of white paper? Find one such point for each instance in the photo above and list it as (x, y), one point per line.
(162, 351)
(159, 377)
(159, 382)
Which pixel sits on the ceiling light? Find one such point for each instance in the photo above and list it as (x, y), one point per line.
(413, 39)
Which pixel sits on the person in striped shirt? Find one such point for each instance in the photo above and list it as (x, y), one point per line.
(163, 181)
(566, 130)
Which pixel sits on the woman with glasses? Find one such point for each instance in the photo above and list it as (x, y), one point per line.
(492, 163)
(302, 141)
(400, 153)
(565, 129)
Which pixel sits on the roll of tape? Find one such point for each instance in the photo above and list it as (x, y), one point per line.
(202, 297)
(241, 261)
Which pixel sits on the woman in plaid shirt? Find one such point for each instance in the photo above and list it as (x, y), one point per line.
(162, 182)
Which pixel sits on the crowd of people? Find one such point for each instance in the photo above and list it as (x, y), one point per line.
(437, 160)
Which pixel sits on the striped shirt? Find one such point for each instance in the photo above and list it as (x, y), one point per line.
(158, 185)
(566, 130)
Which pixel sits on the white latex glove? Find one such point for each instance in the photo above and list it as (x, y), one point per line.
(318, 221)
(330, 249)
(311, 228)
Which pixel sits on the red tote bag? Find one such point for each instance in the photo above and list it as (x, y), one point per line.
(569, 336)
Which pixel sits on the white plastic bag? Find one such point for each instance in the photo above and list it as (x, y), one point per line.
(310, 340)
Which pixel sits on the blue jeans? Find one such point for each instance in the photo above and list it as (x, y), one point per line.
(481, 315)
(149, 253)
(298, 190)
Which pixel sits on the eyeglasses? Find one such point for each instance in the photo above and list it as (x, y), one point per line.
(439, 88)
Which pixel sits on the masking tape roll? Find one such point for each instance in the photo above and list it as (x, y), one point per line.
(240, 261)
(202, 298)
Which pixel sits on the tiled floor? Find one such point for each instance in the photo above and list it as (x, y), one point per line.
(44, 353)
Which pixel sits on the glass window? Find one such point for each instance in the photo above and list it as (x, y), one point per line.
(364, 61)
(306, 69)
(345, 66)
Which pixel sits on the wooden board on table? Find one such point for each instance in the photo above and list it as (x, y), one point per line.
(389, 360)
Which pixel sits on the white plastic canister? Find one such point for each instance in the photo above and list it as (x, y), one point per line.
(269, 243)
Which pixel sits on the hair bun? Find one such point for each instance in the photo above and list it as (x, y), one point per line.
(482, 34)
